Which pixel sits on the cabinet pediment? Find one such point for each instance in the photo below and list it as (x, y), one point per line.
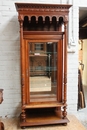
(43, 10)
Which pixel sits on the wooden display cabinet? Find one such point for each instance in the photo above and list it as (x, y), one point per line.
(43, 49)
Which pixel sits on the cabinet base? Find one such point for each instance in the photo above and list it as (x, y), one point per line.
(43, 118)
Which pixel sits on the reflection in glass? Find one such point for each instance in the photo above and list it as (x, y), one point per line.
(43, 71)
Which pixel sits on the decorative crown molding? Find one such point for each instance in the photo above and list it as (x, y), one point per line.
(42, 7)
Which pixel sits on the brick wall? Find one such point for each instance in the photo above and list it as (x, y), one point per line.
(10, 58)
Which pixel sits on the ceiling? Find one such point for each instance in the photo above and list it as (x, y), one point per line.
(83, 23)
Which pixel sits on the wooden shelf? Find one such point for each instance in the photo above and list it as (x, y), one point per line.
(38, 54)
(43, 105)
(38, 117)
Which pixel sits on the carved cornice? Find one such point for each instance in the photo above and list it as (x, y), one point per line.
(43, 10)
(41, 7)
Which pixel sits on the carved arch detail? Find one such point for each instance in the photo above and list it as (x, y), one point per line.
(22, 17)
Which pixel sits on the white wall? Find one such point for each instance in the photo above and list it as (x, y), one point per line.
(72, 82)
(10, 57)
(82, 3)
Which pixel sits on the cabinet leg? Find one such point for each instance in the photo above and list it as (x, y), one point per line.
(23, 127)
(64, 124)
(23, 116)
(64, 112)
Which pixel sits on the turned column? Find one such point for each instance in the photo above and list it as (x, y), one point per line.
(22, 59)
(65, 70)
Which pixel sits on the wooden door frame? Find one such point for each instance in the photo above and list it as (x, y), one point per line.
(59, 72)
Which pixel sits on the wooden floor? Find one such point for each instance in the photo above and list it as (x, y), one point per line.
(74, 124)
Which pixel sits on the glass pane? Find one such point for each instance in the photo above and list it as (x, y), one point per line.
(39, 47)
(43, 72)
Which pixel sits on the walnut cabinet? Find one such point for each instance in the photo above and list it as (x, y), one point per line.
(43, 51)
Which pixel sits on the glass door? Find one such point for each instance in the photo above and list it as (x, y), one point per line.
(43, 71)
